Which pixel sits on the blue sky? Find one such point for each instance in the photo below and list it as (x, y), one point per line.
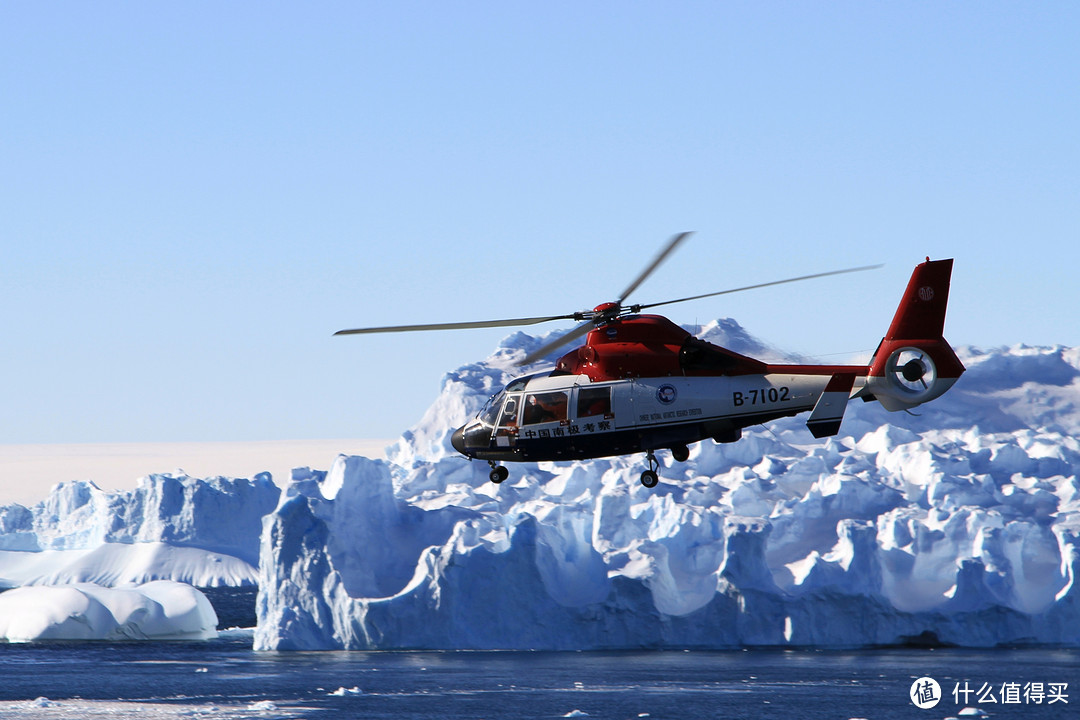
(195, 196)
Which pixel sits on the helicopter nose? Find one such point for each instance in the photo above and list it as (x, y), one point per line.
(458, 440)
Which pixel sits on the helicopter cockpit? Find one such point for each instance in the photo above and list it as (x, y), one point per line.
(534, 400)
(501, 409)
(497, 421)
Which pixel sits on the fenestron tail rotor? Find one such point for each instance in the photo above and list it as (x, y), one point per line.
(598, 316)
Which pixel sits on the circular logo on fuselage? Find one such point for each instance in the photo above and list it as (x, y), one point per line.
(667, 394)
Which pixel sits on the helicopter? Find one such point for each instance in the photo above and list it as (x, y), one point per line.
(641, 383)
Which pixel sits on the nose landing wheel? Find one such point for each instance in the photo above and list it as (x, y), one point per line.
(649, 478)
(498, 473)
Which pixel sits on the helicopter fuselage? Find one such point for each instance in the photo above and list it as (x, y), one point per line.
(642, 383)
(579, 419)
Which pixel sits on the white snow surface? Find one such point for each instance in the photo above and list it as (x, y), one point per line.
(204, 532)
(958, 524)
(160, 610)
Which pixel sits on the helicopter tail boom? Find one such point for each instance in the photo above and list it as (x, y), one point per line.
(914, 363)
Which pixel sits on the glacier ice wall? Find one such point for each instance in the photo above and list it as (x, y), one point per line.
(170, 527)
(957, 526)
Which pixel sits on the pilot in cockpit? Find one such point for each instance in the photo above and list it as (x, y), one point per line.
(545, 407)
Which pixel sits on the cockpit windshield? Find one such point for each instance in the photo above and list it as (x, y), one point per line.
(490, 413)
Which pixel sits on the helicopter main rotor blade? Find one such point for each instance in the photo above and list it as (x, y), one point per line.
(660, 257)
(557, 343)
(511, 322)
(760, 285)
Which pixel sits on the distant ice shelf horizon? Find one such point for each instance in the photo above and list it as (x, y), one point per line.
(28, 471)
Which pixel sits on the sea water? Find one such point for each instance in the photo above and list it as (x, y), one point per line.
(225, 679)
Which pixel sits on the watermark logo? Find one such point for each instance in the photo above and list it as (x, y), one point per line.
(925, 693)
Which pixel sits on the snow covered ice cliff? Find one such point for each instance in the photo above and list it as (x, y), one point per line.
(959, 525)
(170, 527)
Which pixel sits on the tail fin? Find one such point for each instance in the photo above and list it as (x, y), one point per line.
(921, 314)
(914, 364)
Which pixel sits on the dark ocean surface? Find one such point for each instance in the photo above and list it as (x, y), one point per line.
(224, 678)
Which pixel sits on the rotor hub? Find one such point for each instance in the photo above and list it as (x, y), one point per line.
(608, 308)
(913, 370)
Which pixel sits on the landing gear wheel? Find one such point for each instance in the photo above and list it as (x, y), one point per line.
(649, 478)
(680, 453)
(498, 474)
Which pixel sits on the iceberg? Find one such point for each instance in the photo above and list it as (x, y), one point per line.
(203, 532)
(161, 610)
(959, 526)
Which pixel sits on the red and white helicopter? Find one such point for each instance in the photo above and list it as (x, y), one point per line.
(641, 383)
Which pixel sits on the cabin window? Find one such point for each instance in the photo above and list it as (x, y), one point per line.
(544, 407)
(593, 401)
(509, 416)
